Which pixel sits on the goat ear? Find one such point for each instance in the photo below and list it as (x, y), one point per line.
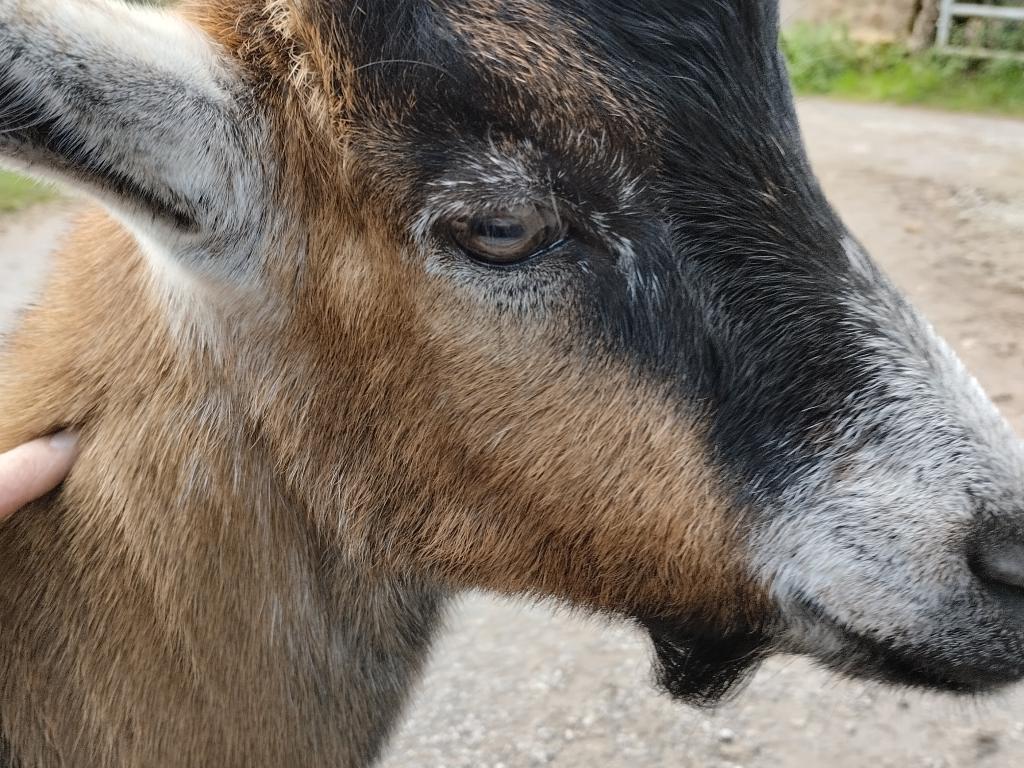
(133, 105)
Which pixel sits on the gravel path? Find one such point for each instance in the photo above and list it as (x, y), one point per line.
(939, 199)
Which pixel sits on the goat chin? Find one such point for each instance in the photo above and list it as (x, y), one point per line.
(702, 666)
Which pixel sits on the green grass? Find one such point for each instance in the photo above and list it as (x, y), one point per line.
(825, 61)
(17, 193)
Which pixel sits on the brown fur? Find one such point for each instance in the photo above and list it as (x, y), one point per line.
(274, 493)
(171, 606)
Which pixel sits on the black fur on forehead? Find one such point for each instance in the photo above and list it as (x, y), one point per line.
(700, 52)
(704, 71)
(377, 27)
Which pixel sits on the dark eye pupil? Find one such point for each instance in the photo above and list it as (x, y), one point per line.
(500, 229)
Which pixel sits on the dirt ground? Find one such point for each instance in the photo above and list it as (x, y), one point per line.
(939, 199)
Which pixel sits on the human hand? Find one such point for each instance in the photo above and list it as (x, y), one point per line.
(34, 469)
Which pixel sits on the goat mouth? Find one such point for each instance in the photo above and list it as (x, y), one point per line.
(859, 655)
(702, 666)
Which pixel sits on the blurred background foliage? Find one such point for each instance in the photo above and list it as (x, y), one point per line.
(826, 60)
(17, 193)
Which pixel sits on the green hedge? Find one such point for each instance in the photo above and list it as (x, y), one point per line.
(825, 61)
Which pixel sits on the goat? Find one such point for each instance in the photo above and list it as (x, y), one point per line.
(392, 299)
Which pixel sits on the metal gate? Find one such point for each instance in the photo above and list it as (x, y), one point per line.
(951, 9)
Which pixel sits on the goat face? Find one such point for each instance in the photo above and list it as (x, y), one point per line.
(549, 302)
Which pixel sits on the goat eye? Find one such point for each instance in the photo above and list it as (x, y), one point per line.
(510, 236)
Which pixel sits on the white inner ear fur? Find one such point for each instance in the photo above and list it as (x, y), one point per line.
(137, 107)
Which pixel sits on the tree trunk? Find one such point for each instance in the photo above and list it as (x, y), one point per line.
(922, 35)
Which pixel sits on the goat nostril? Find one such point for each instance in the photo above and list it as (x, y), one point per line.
(1002, 563)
